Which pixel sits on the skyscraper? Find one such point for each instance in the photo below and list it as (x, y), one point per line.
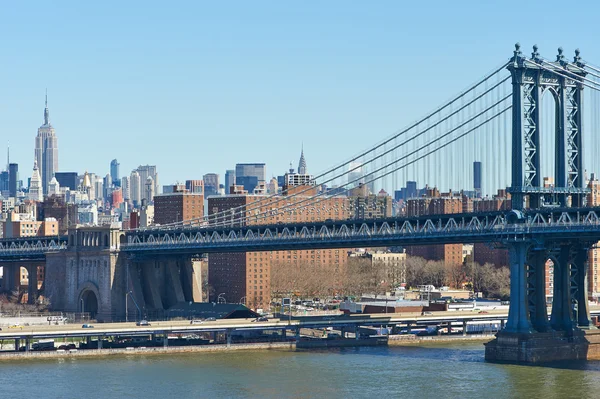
(46, 150)
(114, 173)
(135, 188)
(229, 179)
(126, 187)
(146, 171)
(250, 175)
(35, 188)
(302, 163)
(13, 178)
(211, 184)
(477, 178)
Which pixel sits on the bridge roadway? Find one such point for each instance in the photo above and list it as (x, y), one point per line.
(500, 226)
(184, 326)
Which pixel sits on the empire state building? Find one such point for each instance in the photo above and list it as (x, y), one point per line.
(46, 150)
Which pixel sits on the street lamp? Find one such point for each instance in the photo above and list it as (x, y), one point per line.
(82, 305)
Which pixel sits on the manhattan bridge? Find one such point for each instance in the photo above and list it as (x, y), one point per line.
(529, 119)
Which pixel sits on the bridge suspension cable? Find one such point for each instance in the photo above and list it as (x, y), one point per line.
(308, 201)
(388, 146)
(567, 74)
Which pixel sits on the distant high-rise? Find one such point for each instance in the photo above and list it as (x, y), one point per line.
(195, 186)
(477, 178)
(145, 172)
(67, 179)
(35, 187)
(13, 178)
(135, 188)
(302, 178)
(46, 150)
(302, 163)
(211, 184)
(4, 180)
(149, 189)
(126, 187)
(229, 179)
(114, 173)
(250, 175)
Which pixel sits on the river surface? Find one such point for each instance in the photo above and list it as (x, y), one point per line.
(440, 371)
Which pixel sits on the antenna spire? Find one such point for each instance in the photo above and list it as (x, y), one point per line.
(46, 112)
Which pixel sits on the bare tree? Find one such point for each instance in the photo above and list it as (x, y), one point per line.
(415, 271)
(435, 273)
(455, 275)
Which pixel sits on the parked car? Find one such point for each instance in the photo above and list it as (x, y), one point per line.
(261, 319)
(425, 313)
(87, 326)
(16, 326)
(195, 321)
(210, 319)
(483, 312)
(142, 323)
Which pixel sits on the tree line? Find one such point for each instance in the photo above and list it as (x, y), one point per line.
(360, 275)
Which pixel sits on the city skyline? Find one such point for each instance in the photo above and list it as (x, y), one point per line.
(345, 77)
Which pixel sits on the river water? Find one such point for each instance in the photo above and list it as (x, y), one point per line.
(440, 371)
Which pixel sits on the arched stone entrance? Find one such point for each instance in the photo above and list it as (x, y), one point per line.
(88, 303)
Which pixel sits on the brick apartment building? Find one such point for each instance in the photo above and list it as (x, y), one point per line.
(436, 203)
(178, 206)
(245, 277)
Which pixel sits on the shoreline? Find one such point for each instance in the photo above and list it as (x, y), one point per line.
(397, 340)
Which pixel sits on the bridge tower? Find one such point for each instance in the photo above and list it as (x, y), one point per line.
(531, 78)
(529, 335)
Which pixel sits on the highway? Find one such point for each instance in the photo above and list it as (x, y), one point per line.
(184, 326)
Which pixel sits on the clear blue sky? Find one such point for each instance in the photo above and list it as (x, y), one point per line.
(195, 87)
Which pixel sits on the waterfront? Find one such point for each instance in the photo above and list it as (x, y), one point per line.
(441, 370)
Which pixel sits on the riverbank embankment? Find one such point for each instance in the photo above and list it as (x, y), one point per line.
(393, 340)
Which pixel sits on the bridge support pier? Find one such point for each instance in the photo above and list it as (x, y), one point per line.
(32, 287)
(528, 336)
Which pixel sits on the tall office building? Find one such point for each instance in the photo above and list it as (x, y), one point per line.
(250, 175)
(67, 179)
(13, 178)
(35, 187)
(4, 181)
(146, 171)
(477, 178)
(135, 188)
(149, 189)
(114, 173)
(46, 150)
(211, 184)
(195, 186)
(302, 163)
(302, 178)
(229, 180)
(125, 186)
